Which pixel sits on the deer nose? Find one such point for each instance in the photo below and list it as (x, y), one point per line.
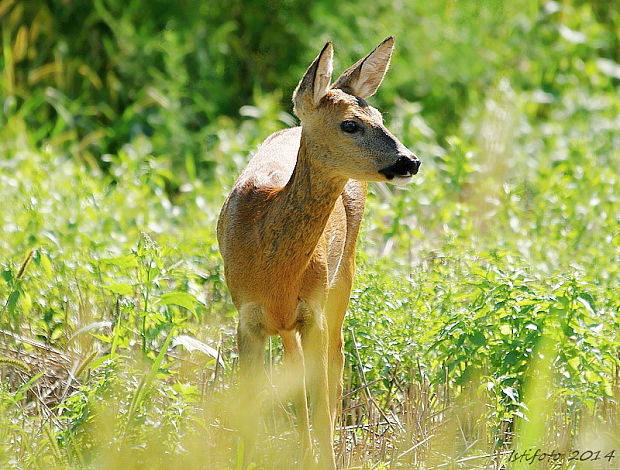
(416, 165)
(404, 166)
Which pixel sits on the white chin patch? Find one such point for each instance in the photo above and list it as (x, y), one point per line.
(401, 180)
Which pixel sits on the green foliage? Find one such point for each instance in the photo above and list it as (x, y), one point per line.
(495, 275)
(485, 328)
(91, 76)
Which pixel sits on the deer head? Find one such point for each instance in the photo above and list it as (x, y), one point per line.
(345, 134)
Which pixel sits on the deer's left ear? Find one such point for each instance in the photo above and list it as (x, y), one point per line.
(364, 77)
(315, 82)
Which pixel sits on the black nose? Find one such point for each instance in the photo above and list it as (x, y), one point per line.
(404, 166)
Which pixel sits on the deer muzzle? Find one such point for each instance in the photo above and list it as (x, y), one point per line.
(405, 166)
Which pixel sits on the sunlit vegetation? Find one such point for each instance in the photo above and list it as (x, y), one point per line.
(484, 321)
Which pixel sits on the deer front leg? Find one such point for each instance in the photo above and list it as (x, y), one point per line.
(315, 343)
(335, 309)
(335, 362)
(294, 375)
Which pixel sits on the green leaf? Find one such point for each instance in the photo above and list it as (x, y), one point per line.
(147, 381)
(124, 261)
(511, 393)
(7, 275)
(511, 358)
(587, 302)
(592, 377)
(478, 339)
(568, 330)
(12, 302)
(192, 344)
(46, 265)
(182, 299)
(574, 362)
(21, 391)
(120, 288)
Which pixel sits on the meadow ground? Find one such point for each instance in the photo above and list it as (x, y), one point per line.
(484, 322)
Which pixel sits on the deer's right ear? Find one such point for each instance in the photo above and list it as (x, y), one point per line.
(364, 77)
(315, 81)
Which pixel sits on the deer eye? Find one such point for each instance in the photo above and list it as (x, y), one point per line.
(349, 126)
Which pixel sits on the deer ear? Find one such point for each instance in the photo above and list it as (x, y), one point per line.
(364, 77)
(315, 81)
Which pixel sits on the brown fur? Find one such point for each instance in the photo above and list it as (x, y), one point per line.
(288, 230)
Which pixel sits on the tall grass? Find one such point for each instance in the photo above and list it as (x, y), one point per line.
(484, 319)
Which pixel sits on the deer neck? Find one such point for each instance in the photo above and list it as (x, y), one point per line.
(301, 209)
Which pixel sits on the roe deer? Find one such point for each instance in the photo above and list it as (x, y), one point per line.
(288, 230)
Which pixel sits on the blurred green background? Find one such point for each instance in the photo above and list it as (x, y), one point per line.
(485, 316)
(98, 74)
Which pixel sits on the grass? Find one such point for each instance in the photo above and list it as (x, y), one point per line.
(464, 279)
(484, 320)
